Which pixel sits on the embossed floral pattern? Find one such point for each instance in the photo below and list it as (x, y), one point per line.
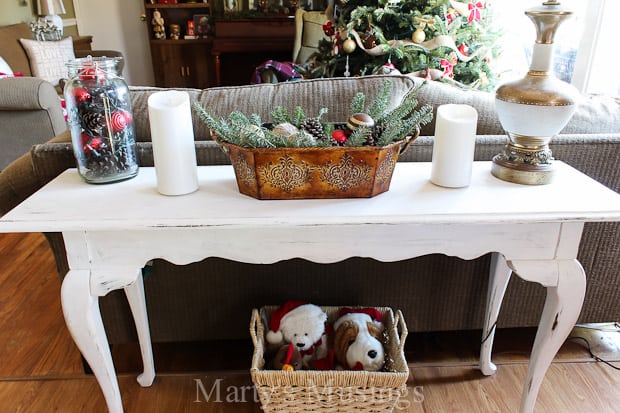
(245, 173)
(345, 174)
(286, 175)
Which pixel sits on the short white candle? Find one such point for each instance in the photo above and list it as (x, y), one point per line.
(454, 144)
(172, 134)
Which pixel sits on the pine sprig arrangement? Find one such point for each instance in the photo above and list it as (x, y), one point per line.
(304, 131)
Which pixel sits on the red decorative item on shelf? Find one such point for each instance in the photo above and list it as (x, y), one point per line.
(167, 1)
(190, 28)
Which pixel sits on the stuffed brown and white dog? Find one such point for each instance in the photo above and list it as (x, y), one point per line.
(358, 339)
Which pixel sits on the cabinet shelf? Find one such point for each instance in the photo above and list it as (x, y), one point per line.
(180, 42)
(178, 6)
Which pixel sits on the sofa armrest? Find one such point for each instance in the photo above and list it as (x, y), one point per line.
(23, 177)
(28, 93)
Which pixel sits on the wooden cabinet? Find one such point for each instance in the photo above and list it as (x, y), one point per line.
(227, 56)
(82, 42)
(255, 41)
(182, 62)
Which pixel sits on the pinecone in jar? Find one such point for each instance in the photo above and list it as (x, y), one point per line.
(313, 127)
(122, 158)
(93, 121)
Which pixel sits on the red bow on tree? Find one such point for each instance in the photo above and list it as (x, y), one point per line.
(328, 29)
(474, 11)
(448, 68)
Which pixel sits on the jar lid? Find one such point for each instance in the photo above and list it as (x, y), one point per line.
(107, 64)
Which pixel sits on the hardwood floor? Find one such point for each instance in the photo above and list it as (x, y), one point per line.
(41, 369)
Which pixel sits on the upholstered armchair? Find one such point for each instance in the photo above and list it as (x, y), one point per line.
(30, 113)
(30, 104)
(308, 33)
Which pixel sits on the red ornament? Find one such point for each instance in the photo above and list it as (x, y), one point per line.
(451, 15)
(90, 144)
(91, 73)
(81, 95)
(463, 49)
(120, 119)
(339, 136)
(128, 117)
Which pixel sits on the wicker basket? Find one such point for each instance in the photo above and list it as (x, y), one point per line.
(334, 390)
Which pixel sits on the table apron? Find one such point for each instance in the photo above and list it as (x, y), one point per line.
(321, 243)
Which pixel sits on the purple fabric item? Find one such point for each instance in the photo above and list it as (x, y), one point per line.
(285, 71)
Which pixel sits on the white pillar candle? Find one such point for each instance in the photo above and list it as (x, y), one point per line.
(453, 148)
(172, 134)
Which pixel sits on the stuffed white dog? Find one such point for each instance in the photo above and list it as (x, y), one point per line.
(357, 342)
(301, 324)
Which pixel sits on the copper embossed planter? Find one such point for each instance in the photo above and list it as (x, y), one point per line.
(316, 172)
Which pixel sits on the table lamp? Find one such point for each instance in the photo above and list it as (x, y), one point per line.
(534, 109)
(51, 10)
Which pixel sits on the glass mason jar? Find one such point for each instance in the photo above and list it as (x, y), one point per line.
(101, 121)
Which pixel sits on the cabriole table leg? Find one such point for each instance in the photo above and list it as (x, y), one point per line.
(137, 303)
(499, 277)
(83, 318)
(562, 307)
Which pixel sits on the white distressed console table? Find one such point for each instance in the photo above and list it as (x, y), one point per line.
(111, 231)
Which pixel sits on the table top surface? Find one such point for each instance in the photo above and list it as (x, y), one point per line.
(69, 204)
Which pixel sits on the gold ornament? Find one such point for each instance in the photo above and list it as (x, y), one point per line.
(418, 36)
(349, 45)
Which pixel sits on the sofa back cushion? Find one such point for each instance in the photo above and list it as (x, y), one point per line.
(594, 113)
(10, 48)
(335, 94)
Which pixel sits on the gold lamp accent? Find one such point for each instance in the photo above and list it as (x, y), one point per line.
(534, 109)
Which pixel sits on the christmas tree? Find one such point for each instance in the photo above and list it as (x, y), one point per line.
(442, 40)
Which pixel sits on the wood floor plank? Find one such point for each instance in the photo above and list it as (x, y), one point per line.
(41, 370)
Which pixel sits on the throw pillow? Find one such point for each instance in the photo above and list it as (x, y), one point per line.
(48, 58)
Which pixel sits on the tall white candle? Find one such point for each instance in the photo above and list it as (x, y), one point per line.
(172, 134)
(453, 148)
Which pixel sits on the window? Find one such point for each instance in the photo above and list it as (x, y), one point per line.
(584, 53)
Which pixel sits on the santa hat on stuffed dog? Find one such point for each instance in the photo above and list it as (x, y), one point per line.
(295, 311)
(372, 312)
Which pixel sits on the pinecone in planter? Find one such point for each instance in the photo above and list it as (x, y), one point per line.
(374, 137)
(313, 127)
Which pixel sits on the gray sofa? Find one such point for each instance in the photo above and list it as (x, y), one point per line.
(212, 299)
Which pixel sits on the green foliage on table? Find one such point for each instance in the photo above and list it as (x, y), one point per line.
(390, 126)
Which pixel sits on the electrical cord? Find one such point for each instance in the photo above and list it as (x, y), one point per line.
(594, 356)
(614, 329)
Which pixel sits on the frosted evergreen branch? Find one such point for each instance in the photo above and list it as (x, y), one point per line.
(280, 115)
(378, 107)
(299, 116)
(357, 103)
(256, 120)
(359, 136)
